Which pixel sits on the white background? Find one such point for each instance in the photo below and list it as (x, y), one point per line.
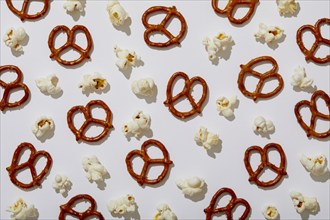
(222, 169)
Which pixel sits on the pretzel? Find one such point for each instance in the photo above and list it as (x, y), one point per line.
(186, 92)
(228, 209)
(310, 129)
(247, 69)
(80, 133)
(23, 13)
(70, 43)
(161, 28)
(66, 209)
(254, 175)
(316, 31)
(8, 87)
(230, 9)
(142, 178)
(15, 168)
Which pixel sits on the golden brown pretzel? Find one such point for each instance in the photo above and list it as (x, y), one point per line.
(70, 43)
(316, 31)
(80, 133)
(8, 87)
(23, 13)
(310, 129)
(255, 174)
(15, 168)
(161, 28)
(142, 178)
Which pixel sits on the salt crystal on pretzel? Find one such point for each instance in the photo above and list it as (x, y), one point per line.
(299, 78)
(261, 125)
(220, 42)
(287, 7)
(140, 123)
(49, 84)
(191, 186)
(206, 139)
(126, 58)
(123, 205)
(302, 203)
(164, 212)
(14, 37)
(226, 106)
(93, 82)
(143, 87)
(117, 13)
(270, 212)
(61, 184)
(95, 171)
(73, 5)
(21, 211)
(268, 33)
(42, 126)
(316, 165)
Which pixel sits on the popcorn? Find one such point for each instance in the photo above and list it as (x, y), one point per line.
(302, 203)
(299, 78)
(61, 184)
(42, 126)
(269, 34)
(225, 106)
(122, 205)
(287, 6)
(317, 165)
(125, 58)
(219, 42)
(48, 85)
(270, 212)
(117, 13)
(191, 186)
(95, 171)
(164, 213)
(94, 82)
(140, 123)
(206, 139)
(143, 87)
(72, 5)
(14, 37)
(261, 125)
(20, 211)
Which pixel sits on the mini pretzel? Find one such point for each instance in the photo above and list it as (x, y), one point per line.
(70, 43)
(254, 175)
(186, 92)
(67, 209)
(161, 28)
(142, 178)
(23, 13)
(8, 87)
(228, 209)
(310, 129)
(80, 133)
(15, 168)
(247, 69)
(231, 6)
(316, 31)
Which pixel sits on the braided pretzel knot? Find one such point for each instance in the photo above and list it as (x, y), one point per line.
(70, 43)
(152, 28)
(15, 168)
(66, 209)
(186, 92)
(316, 31)
(142, 178)
(247, 69)
(86, 110)
(230, 9)
(228, 209)
(23, 13)
(8, 87)
(310, 129)
(254, 175)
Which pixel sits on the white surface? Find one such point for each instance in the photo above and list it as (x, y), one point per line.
(225, 169)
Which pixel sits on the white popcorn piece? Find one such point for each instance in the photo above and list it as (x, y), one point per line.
(42, 126)
(191, 186)
(49, 84)
(261, 125)
(316, 165)
(14, 37)
(122, 205)
(287, 6)
(61, 184)
(125, 58)
(73, 5)
(218, 43)
(270, 212)
(95, 171)
(117, 13)
(93, 82)
(226, 106)
(164, 213)
(269, 34)
(20, 211)
(206, 139)
(299, 78)
(140, 123)
(143, 87)
(302, 203)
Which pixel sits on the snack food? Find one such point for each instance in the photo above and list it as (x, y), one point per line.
(42, 126)
(141, 122)
(49, 85)
(126, 58)
(73, 5)
(15, 168)
(24, 12)
(287, 7)
(315, 165)
(186, 92)
(191, 186)
(61, 184)
(299, 78)
(261, 125)
(302, 203)
(268, 34)
(95, 171)
(220, 42)
(123, 205)
(226, 106)
(21, 211)
(270, 212)
(206, 139)
(93, 82)
(143, 87)
(14, 38)
(164, 212)
(117, 13)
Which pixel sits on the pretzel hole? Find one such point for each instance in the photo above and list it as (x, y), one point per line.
(196, 91)
(8, 76)
(34, 6)
(174, 26)
(98, 112)
(221, 4)
(81, 205)
(255, 160)
(70, 54)
(60, 38)
(270, 84)
(262, 67)
(267, 174)
(182, 104)
(15, 95)
(306, 114)
(24, 175)
(238, 211)
(325, 30)
(78, 119)
(321, 124)
(222, 201)
(93, 130)
(40, 164)
(274, 157)
(240, 11)
(250, 82)
(154, 171)
(322, 50)
(81, 39)
(137, 164)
